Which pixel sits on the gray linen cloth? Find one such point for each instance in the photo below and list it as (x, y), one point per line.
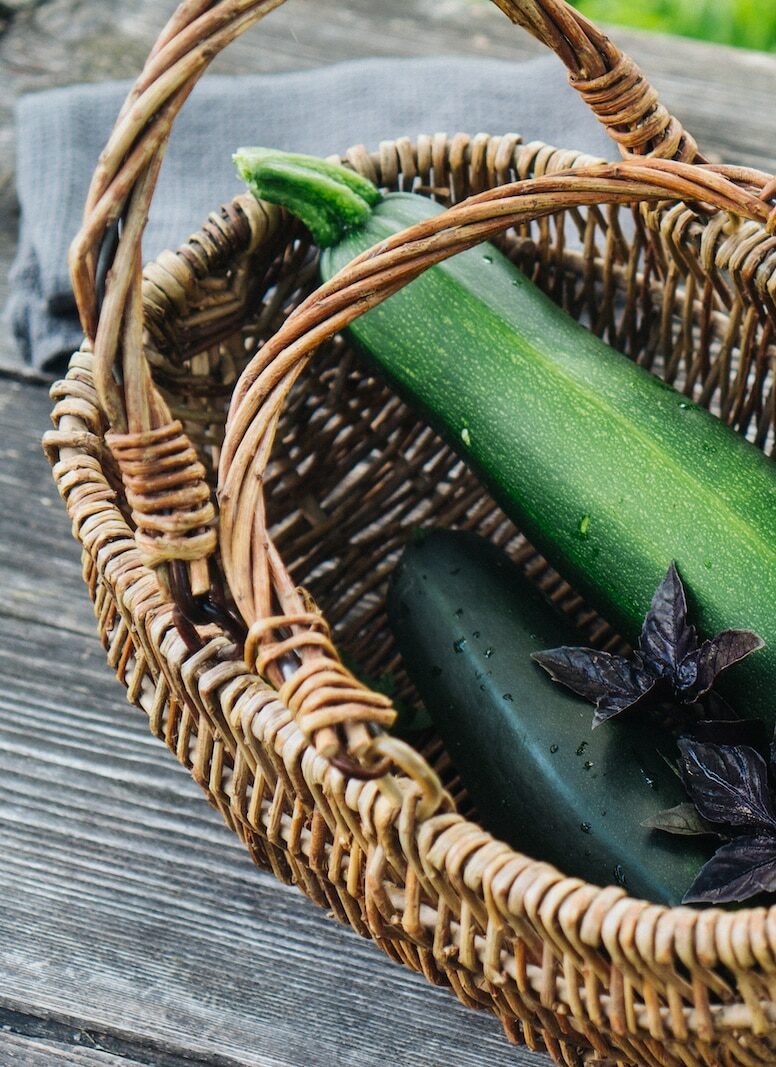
(61, 132)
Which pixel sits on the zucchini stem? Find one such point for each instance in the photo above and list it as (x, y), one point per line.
(328, 198)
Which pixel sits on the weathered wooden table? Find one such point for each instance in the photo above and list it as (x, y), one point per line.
(133, 928)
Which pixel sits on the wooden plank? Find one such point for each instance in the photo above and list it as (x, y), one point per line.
(130, 913)
(39, 561)
(20, 1050)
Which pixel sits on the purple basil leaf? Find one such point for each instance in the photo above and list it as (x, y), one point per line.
(728, 784)
(666, 638)
(610, 706)
(700, 668)
(682, 819)
(612, 683)
(750, 732)
(716, 707)
(738, 870)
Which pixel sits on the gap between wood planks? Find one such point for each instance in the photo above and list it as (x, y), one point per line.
(59, 1041)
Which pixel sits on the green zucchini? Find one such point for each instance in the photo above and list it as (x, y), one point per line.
(610, 472)
(466, 622)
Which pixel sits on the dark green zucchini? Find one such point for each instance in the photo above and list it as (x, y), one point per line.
(611, 473)
(466, 622)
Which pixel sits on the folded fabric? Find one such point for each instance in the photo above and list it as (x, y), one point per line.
(61, 133)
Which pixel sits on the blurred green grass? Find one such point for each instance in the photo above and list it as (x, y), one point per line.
(744, 23)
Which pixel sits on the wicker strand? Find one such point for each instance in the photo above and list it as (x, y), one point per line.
(170, 500)
(321, 692)
(627, 105)
(610, 82)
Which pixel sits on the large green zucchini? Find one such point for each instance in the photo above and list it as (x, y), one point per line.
(610, 472)
(466, 622)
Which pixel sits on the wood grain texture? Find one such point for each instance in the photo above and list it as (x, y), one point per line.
(724, 96)
(131, 919)
(33, 1042)
(20, 1051)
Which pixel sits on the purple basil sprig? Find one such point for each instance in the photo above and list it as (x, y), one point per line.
(668, 664)
(730, 797)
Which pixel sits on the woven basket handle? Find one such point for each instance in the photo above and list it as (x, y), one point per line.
(165, 482)
(607, 79)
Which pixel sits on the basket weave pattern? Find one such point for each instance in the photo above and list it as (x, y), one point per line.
(324, 475)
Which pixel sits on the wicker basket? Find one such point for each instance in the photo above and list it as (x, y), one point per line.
(323, 474)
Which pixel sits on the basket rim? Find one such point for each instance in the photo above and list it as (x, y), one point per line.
(617, 943)
(572, 915)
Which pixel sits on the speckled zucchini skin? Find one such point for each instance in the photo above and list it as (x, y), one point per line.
(466, 622)
(609, 471)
